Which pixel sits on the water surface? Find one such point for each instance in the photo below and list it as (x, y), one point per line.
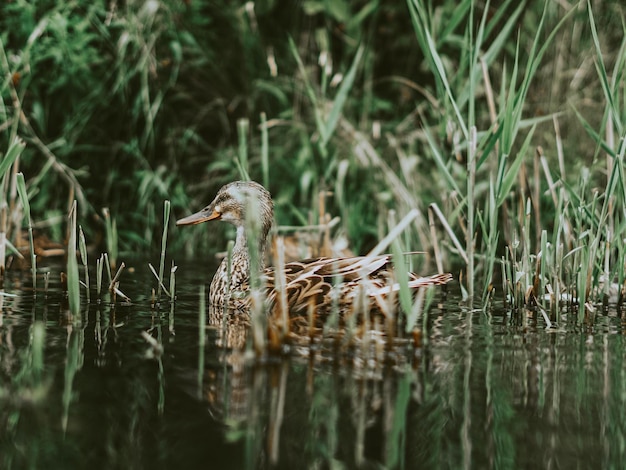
(485, 390)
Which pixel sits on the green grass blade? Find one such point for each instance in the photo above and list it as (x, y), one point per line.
(506, 183)
(418, 15)
(166, 221)
(21, 190)
(602, 73)
(400, 269)
(82, 245)
(342, 96)
(73, 281)
(593, 133)
(265, 151)
(14, 151)
(321, 128)
(439, 161)
(243, 127)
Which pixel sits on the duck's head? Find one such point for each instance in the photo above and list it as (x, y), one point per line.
(242, 203)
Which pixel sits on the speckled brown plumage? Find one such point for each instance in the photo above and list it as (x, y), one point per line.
(248, 206)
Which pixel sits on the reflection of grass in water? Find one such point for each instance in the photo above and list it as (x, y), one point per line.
(322, 421)
(73, 363)
(201, 338)
(23, 396)
(396, 435)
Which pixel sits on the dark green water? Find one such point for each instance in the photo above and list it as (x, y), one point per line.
(494, 391)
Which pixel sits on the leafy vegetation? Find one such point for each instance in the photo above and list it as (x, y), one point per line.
(502, 124)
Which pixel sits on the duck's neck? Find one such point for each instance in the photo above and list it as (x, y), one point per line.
(237, 270)
(241, 250)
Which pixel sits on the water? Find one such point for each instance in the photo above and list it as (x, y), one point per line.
(487, 391)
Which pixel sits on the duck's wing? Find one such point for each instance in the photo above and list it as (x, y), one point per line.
(311, 281)
(337, 269)
(304, 284)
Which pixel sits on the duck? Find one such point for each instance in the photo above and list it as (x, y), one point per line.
(321, 282)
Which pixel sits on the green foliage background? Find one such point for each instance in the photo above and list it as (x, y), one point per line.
(124, 104)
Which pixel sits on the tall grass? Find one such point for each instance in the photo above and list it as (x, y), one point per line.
(476, 161)
(13, 152)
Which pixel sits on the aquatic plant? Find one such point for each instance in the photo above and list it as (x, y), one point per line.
(73, 281)
(21, 189)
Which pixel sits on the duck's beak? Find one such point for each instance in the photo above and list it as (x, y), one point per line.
(206, 214)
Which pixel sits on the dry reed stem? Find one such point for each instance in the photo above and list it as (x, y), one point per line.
(282, 313)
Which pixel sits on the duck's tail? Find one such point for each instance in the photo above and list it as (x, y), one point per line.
(414, 283)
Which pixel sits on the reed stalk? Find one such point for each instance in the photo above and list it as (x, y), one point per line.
(543, 259)
(282, 318)
(107, 265)
(417, 312)
(99, 269)
(400, 269)
(265, 151)
(73, 280)
(166, 220)
(435, 241)
(172, 297)
(114, 284)
(492, 235)
(82, 245)
(159, 282)
(16, 147)
(110, 227)
(243, 127)
(21, 189)
(469, 237)
(257, 292)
